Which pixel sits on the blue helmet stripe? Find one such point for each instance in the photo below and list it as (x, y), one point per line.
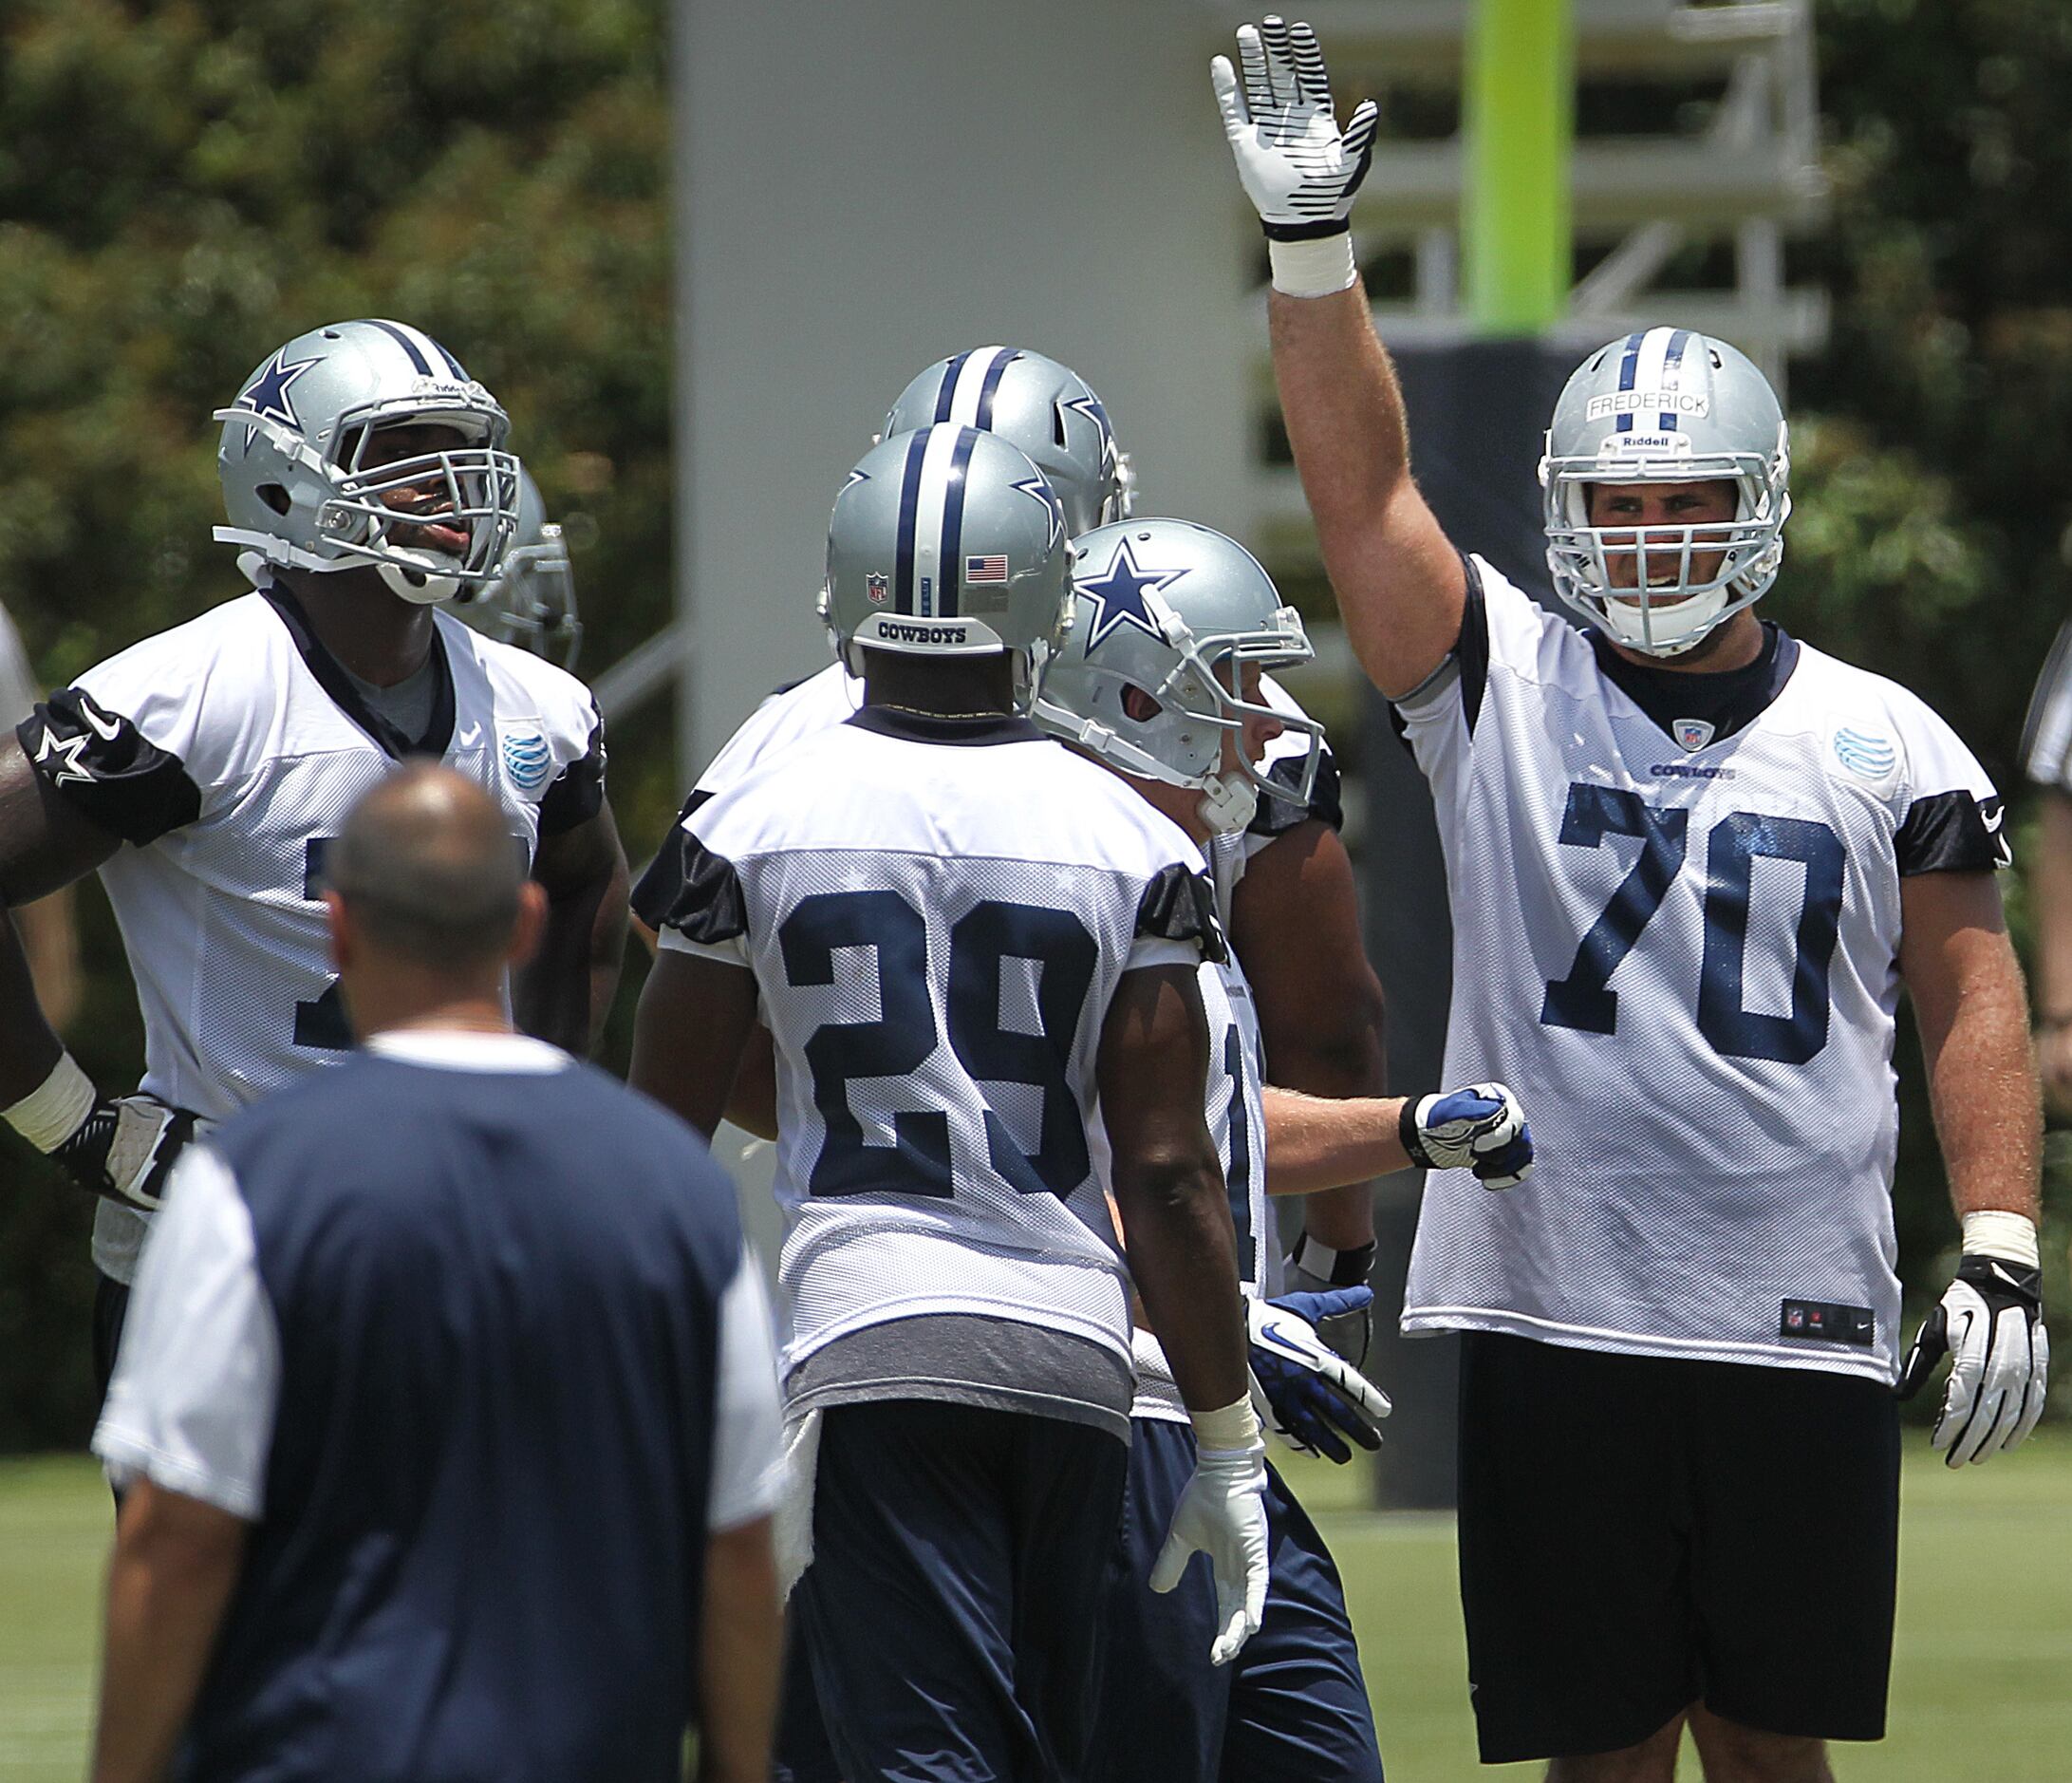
(1627, 365)
(994, 372)
(1672, 358)
(947, 394)
(453, 365)
(909, 506)
(951, 559)
(403, 340)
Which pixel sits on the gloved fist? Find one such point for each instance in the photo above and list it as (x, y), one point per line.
(1481, 1128)
(1223, 1514)
(125, 1149)
(1991, 1324)
(1296, 166)
(1308, 1395)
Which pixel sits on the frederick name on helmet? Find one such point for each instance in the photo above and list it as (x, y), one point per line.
(948, 541)
(1046, 411)
(297, 484)
(1666, 405)
(1164, 606)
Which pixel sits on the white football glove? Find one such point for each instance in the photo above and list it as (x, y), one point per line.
(1298, 167)
(1990, 1323)
(1481, 1128)
(1223, 1514)
(125, 1149)
(1303, 1391)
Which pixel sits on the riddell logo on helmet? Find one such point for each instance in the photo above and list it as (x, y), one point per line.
(1648, 402)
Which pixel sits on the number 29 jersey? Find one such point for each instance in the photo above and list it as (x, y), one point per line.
(1682, 956)
(935, 928)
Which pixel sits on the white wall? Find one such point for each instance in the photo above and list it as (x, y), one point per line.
(863, 186)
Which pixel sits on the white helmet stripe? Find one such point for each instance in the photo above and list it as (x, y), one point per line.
(971, 396)
(941, 473)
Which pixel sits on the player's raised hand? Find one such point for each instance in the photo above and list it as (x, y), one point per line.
(1223, 1514)
(1306, 1394)
(1481, 1128)
(1990, 1321)
(1298, 168)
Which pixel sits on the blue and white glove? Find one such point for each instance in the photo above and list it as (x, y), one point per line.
(1315, 1269)
(1481, 1128)
(1303, 1391)
(1990, 1321)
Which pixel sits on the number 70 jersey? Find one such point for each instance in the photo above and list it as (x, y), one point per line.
(1685, 961)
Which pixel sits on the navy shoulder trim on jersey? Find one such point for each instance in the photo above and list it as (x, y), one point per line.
(1951, 832)
(109, 771)
(927, 727)
(1473, 648)
(1181, 906)
(578, 793)
(1277, 816)
(331, 675)
(690, 889)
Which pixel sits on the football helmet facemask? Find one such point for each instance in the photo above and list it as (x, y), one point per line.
(1666, 405)
(301, 488)
(533, 603)
(1046, 411)
(1177, 612)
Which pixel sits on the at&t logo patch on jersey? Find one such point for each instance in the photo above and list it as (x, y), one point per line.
(527, 758)
(1866, 754)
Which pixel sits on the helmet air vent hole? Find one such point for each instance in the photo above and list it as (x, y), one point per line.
(275, 496)
(1057, 425)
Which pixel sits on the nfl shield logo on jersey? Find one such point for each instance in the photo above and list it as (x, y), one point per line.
(1693, 733)
(875, 588)
(527, 758)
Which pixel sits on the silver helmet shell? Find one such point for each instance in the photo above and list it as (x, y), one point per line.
(1666, 405)
(1045, 410)
(946, 541)
(298, 490)
(1175, 611)
(533, 603)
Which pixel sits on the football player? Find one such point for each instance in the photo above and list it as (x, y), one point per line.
(1164, 689)
(1692, 862)
(533, 603)
(204, 771)
(1294, 911)
(959, 935)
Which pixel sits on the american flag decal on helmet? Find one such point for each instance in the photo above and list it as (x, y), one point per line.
(989, 568)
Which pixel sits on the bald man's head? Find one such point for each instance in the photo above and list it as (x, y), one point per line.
(428, 869)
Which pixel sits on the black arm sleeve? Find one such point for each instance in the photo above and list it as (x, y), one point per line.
(578, 794)
(1278, 814)
(1951, 832)
(104, 766)
(690, 889)
(1181, 906)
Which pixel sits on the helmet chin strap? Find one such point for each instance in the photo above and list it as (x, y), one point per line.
(1228, 804)
(426, 585)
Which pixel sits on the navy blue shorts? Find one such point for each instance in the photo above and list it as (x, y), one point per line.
(1293, 1706)
(952, 1616)
(1639, 1531)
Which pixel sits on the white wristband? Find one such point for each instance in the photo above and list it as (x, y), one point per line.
(1233, 1426)
(1314, 268)
(2011, 1237)
(53, 1112)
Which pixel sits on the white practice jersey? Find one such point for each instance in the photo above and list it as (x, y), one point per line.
(1682, 956)
(1237, 1122)
(2047, 737)
(227, 752)
(935, 928)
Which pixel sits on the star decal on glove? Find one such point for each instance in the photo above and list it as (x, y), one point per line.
(1118, 596)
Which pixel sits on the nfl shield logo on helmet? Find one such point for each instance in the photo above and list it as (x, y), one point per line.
(877, 589)
(1693, 733)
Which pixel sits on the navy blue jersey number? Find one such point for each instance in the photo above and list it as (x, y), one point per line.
(1240, 1175)
(319, 1022)
(1584, 998)
(1062, 953)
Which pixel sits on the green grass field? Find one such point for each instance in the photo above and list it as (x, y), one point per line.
(1982, 1685)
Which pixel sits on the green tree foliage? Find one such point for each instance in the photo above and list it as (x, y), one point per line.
(184, 185)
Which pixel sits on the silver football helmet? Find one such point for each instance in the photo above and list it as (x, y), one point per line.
(298, 484)
(1666, 407)
(1045, 410)
(1175, 611)
(533, 603)
(946, 541)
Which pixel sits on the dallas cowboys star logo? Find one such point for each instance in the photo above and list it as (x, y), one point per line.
(268, 396)
(854, 478)
(1037, 490)
(1118, 595)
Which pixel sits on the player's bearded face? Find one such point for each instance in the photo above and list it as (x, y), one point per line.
(1613, 505)
(430, 497)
